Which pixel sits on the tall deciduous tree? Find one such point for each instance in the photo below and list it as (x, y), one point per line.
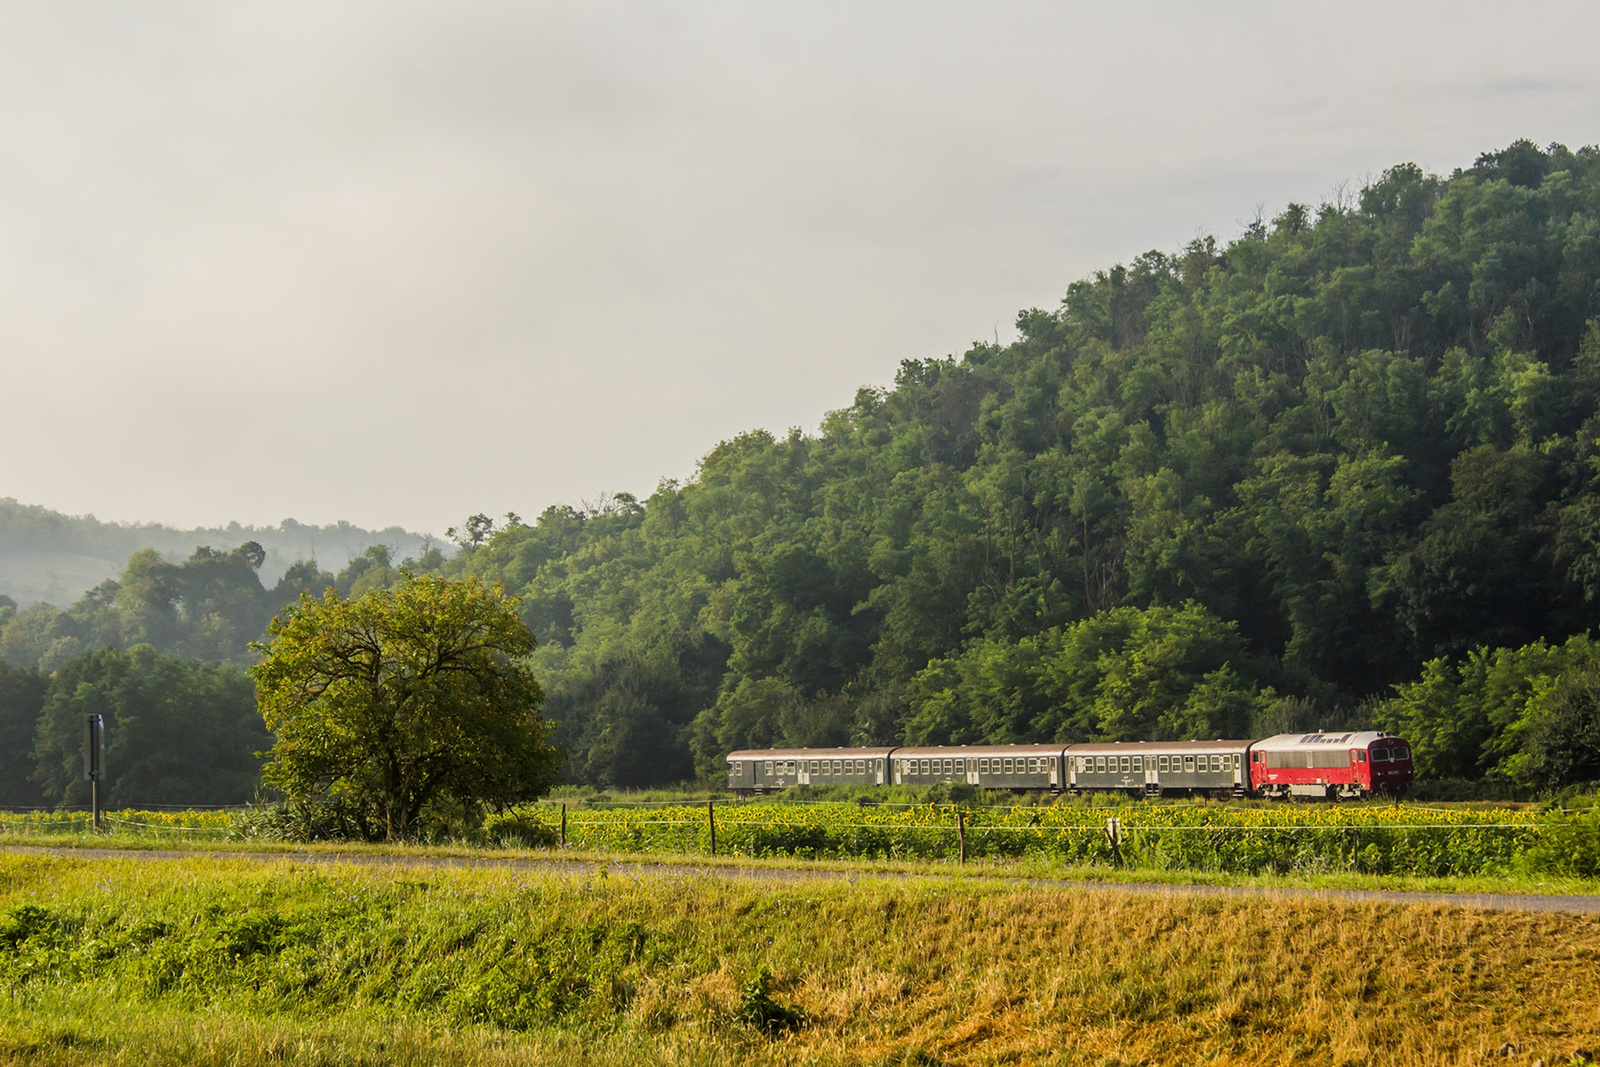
(404, 698)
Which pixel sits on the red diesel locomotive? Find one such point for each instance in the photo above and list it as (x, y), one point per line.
(1322, 764)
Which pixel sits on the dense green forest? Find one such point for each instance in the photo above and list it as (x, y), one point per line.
(1344, 469)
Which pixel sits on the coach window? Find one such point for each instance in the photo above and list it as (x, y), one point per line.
(1138, 763)
(1099, 765)
(1188, 763)
(768, 766)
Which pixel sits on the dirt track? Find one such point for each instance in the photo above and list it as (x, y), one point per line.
(1577, 905)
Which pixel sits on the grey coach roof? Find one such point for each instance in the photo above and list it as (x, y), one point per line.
(980, 750)
(810, 753)
(1122, 747)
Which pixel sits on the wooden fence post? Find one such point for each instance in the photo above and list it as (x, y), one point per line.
(563, 824)
(711, 820)
(961, 834)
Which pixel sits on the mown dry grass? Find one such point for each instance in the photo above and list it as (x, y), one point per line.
(923, 971)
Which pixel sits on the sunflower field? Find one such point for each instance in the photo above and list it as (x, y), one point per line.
(1311, 838)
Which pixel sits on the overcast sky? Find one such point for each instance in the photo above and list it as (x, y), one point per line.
(403, 262)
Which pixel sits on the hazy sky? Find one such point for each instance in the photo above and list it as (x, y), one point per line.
(403, 262)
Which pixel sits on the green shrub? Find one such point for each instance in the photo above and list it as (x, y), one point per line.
(1570, 846)
(515, 829)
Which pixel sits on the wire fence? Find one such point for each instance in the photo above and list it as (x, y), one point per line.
(1361, 838)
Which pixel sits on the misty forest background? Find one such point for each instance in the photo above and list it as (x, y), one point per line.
(1342, 471)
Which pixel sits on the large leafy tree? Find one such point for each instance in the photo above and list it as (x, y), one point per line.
(405, 698)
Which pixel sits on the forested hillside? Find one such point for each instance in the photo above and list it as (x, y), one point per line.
(1237, 487)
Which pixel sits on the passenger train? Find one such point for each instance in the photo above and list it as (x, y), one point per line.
(1323, 765)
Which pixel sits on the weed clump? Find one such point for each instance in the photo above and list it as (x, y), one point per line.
(757, 1009)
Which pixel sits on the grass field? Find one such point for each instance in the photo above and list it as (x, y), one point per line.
(225, 962)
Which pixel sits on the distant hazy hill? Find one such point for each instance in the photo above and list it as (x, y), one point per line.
(45, 555)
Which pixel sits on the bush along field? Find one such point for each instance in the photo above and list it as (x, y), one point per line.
(213, 961)
(1311, 839)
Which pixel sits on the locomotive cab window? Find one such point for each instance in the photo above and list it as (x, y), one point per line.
(1402, 752)
(1380, 755)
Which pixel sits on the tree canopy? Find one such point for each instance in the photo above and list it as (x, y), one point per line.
(404, 698)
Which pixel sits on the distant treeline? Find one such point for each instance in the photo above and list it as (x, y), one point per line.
(1343, 470)
(159, 653)
(209, 607)
(45, 555)
(178, 731)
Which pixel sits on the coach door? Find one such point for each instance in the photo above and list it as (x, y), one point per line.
(972, 772)
(1238, 770)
